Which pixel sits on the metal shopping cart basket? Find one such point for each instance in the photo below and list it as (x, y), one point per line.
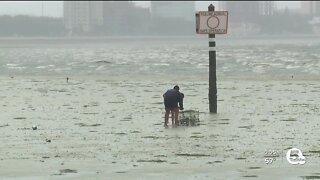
(189, 118)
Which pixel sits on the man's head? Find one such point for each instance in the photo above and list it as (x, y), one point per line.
(176, 87)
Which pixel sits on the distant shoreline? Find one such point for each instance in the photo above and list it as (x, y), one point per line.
(196, 36)
(120, 41)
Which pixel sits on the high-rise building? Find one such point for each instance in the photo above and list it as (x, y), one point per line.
(311, 8)
(266, 8)
(243, 15)
(306, 7)
(173, 9)
(115, 13)
(82, 16)
(124, 17)
(240, 11)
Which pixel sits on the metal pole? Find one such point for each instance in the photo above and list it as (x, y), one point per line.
(212, 71)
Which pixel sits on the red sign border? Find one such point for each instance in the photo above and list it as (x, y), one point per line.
(212, 11)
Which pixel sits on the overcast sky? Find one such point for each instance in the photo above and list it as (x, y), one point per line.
(54, 8)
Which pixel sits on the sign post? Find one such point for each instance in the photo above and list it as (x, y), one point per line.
(212, 22)
(212, 69)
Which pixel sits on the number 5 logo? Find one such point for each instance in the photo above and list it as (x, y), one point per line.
(294, 156)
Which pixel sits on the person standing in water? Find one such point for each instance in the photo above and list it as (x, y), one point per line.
(172, 98)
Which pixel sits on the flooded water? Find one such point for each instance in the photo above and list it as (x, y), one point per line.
(154, 56)
(107, 120)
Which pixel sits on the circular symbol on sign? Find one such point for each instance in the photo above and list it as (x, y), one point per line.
(213, 22)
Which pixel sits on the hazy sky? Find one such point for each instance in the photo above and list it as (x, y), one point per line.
(54, 8)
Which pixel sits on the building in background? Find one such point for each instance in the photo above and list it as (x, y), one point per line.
(247, 10)
(311, 8)
(172, 17)
(82, 16)
(173, 9)
(306, 8)
(124, 17)
(105, 17)
(244, 15)
(240, 11)
(266, 8)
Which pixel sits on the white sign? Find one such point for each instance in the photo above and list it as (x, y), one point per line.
(212, 22)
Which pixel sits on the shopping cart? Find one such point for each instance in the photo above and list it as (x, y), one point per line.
(189, 118)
